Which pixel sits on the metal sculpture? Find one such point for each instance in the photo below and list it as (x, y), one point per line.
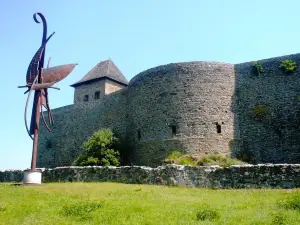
(39, 79)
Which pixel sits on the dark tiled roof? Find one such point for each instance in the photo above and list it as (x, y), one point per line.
(103, 69)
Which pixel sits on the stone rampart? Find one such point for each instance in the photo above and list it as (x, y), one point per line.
(267, 116)
(246, 176)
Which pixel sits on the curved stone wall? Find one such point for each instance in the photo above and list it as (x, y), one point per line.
(181, 106)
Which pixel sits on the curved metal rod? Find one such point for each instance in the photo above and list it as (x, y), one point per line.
(47, 126)
(26, 106)
(44, 24)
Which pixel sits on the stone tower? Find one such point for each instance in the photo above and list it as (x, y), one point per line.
(101, 80)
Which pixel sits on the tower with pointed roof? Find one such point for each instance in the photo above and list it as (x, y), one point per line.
(103, 79)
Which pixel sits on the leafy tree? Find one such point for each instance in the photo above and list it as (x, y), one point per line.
(100, 150)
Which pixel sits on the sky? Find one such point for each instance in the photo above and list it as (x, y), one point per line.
(136, 35)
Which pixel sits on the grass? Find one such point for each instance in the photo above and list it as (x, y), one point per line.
(112, 203)
(176, 157)
(218, 159)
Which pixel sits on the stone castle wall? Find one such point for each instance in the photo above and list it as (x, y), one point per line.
(182, 106)
(247, 176)
(267, 120)
(189, 97)
(73, 125)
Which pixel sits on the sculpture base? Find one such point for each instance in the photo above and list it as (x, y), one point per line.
(32, 177)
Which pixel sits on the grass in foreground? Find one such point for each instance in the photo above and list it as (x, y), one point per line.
(112, 203)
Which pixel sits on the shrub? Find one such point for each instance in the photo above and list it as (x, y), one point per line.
(291, 202)
(260, 111)
(100, 150)
(288, 66)
(218, 159)
(187, 160)
(258, 69)
(176, 157)
(81, 210)
(207, 214)
(279, 219)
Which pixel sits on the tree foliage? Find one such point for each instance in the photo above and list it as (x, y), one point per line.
(100, 149)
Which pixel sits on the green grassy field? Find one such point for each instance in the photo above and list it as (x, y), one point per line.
(112, 203)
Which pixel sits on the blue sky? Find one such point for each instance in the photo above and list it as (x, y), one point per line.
(136, 35)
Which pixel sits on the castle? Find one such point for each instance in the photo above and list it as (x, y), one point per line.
(197, 107)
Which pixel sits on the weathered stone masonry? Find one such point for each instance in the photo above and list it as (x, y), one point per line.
(196, 107)
(274, 136)
(247, 176)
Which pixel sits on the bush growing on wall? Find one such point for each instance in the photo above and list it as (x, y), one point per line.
(258, 68)
(100, 150)
(260, 111)
(288, 66)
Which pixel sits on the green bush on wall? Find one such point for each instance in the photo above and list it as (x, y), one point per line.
(260, 111)
(258, 68)
(288, 66)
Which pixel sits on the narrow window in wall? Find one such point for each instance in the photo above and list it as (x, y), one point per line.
(48, 144)
(139, 134)
(97, 94)
(218, 128)
(86, 98)
(174, 129)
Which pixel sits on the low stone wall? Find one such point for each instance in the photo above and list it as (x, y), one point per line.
(245, 176)
(11, 176)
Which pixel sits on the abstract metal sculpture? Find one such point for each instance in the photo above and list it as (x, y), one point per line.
(39, 79)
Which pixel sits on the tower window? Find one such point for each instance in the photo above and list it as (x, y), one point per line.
(218, 128)
(86, 98)
(97, 94)
(139, 134)
(174, 129)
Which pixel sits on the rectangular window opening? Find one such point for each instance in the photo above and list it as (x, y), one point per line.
(218, 128)
(86, 98)
(97, 94)
(139, 134)
(174, 130)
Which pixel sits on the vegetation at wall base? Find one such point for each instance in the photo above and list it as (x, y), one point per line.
(218, 159)
(115, 204)
(258, 68)
(176, 157)
(288, 66)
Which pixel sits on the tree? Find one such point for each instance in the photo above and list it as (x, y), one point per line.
(100, 149)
